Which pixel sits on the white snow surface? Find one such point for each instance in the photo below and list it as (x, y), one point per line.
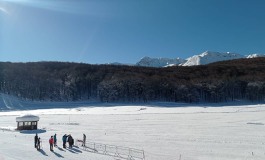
(27, 118)
(165, 131)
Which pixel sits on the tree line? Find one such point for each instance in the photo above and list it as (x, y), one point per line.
(242, 79)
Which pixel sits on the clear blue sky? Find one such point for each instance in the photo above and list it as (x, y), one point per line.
(103, 31)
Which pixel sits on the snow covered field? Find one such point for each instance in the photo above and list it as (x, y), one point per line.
(163, 131)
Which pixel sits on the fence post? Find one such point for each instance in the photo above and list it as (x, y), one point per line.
(116, 154)
(130, 153)
(105, 149)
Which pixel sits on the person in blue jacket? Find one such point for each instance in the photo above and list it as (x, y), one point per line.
(64, 140)
(55, 140)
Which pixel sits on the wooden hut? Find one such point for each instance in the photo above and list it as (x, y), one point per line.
(27, 122)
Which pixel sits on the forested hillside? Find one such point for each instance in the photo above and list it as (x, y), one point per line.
(242, 79)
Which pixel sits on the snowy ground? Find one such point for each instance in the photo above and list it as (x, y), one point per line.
(163, 131)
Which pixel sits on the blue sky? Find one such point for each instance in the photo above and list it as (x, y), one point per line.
(103, 31)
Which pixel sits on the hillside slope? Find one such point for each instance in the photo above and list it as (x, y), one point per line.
(240, 79)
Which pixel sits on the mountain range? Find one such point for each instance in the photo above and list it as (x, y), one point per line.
(201, 59)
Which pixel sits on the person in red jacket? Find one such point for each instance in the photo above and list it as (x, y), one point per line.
(51, 141)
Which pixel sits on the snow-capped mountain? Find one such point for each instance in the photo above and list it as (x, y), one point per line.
(210, 57)
(255, 55)
(201, 59)
(159, 62)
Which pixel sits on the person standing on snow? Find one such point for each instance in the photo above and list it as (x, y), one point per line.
(38, 144)
(84, 140)
(70, 141)
(51, 141)
(64, 140)
(35, 140)
(55, 140)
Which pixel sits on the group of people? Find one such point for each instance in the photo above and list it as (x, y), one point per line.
(53, 141)
(37, 142)
(68, 139)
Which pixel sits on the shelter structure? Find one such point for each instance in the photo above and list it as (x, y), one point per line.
(27, 122)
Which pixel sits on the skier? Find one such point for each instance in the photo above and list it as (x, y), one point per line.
(70, 141)
(84, 140)
(55, 140)
(35, 140)
(64, 140)
(51, 143)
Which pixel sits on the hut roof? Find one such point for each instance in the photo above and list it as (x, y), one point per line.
(27, 118)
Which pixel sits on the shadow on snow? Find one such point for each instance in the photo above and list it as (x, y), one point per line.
(38, 131)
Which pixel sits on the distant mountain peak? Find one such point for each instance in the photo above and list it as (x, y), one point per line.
(201, 59)
(159, 62)
(210, 57)
(255, 55)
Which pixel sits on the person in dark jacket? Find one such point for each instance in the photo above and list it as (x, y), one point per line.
(38, 144)
(70, 141)
(55, 140)
(35, 140)
(64, 140)
(84, 140)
